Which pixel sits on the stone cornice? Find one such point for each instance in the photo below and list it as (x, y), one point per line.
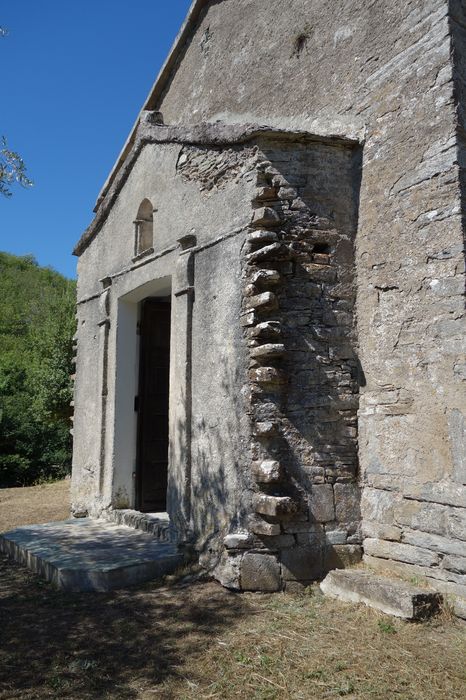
(206, 134)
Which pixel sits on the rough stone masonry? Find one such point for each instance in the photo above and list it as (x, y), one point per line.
(305, 189)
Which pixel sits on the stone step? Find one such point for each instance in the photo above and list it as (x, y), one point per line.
(391, 596)
(91, 555)
(156, 524)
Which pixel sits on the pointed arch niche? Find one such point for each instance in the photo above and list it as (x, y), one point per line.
(144, 229)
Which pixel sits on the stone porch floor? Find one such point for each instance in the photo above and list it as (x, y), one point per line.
(90, 555)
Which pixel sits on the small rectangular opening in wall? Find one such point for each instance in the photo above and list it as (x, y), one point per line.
(321, 253)
(153, 400)
(321, 248)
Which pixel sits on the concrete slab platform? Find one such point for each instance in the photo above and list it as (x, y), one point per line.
(90, 555)
(391, 596)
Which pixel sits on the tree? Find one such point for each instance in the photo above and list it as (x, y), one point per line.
(12, 168)
(36, 328)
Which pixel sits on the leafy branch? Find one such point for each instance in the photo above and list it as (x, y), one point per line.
(12, 169)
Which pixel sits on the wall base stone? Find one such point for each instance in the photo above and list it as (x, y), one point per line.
(301, 563)
(342, 556)
(260, 572)
(227, 571)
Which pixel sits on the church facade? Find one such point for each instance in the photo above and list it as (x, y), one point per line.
(271, 343)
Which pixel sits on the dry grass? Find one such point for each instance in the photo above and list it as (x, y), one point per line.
(302, 647)
(34, 504)
(200, 641)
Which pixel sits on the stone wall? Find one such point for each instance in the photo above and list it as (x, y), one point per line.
(298, 320)
(384, 70)
(263, 466)
(385, 73)
(415, 499)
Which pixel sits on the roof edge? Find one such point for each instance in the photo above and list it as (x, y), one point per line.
(157, 88)
(207, 133)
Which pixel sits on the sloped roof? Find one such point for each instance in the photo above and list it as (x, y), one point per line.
(157, 88)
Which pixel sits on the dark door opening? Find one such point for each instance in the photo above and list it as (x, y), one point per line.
(152, 445)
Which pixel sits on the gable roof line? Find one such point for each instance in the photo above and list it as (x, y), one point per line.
(206, 133)
(157, 88)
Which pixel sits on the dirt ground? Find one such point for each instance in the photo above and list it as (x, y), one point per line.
(34, 504)
(197, 640)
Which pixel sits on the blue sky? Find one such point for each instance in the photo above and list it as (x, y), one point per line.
(74, 76)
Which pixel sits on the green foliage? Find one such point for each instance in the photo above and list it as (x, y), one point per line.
(386, 627)
(12, 169)
(36, 329)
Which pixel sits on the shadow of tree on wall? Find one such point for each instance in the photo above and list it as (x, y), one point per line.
(88, 645)
(219, 425)
(217, 490)
(215, 503)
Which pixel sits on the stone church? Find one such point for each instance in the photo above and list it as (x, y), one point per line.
(271, 343)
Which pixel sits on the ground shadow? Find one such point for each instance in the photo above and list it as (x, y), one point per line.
(89, 645)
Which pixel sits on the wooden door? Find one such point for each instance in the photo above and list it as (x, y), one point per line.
(152, 452)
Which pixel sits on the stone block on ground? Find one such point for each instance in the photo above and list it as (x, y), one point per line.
(227, 571)
(454, 594)
(391, 596)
